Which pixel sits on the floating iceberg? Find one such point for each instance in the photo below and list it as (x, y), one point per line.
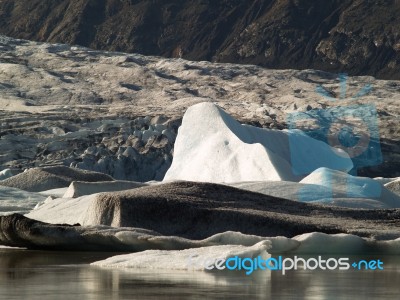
(19, 231)
(47, 178)
(394, 186)
(81, 188)
(197, 210)
(309, 193)
(347, 187)
(206, 258)
(211, 146)
(180, 260)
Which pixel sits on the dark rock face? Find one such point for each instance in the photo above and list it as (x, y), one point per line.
(358, 37)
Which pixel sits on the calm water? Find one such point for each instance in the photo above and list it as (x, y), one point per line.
(58, 275)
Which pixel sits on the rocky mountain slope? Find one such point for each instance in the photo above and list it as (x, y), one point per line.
(356, 36)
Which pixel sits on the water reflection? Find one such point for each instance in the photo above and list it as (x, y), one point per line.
(57, 275)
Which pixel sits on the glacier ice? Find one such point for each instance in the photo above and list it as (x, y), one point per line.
(348, 187)
(211, 146)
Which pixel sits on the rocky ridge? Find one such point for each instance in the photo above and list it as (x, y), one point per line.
(359, 37)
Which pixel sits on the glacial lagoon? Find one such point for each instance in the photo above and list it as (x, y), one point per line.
(26, 274)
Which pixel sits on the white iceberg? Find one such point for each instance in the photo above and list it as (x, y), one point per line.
(348, 187)
(394, 186)
(81, 188)
(181, 259)
(211, 146)
(205, 258)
